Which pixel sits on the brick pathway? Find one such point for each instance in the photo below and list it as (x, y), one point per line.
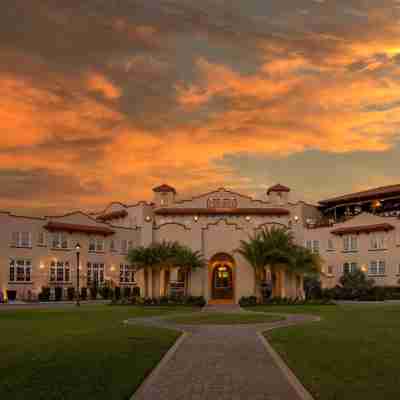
(219, 363)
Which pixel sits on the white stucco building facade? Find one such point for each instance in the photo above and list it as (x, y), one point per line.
(39, 253)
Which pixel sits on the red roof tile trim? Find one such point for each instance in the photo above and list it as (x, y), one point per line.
(363, 229)
(61, 226)
(222, 211)
(164, 189)
(278, 188)
(113, 215)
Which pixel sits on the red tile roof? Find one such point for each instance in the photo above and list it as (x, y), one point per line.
(370, 194)
(278, 188)
(363, 229)
(222, 211)
(113, 215)
(164, 189)
(61, 226)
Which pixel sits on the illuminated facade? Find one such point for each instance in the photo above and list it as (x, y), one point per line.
(349, 232)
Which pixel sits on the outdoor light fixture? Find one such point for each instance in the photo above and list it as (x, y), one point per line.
(196, 218)
(248, 218)
(78, 249)
(364, 268)
(296, 218)
(148, 218)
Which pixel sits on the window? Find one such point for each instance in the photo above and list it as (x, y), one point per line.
(349, 267)
(377, 242)
(95, 274)
(59, 241)
(330, 270)
(20, 270)
(113, 246)
(96, 245)
(124, 246)
(21, 239)
(313, 245)
(229, 202)
(330, 245)
(350, 243)
(60, 271)
(377, 268)
(42, 239)
(126, 274)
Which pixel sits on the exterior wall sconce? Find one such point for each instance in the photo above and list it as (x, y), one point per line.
(248, 218)
(41, 266)
(112, 268)
(296, 218)
(196, 218)
(147, 218)
(364, 268)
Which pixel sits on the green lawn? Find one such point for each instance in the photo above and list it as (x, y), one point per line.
(352, 354)
(84, 353)
(215, 318)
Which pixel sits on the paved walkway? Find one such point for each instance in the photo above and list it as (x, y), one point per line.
(219, 363)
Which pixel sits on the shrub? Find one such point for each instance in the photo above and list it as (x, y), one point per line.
(83, 293)
(58, 291)
(136, 291)
(117, 293)
(106, 292)
(127, 292)
(71, 293)
(44, 295)
(312, 287)
(93, 292)
(248, 301)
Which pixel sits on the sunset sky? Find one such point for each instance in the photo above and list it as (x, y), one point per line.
(103, 99)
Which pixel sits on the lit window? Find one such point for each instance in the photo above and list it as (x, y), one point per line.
(126, 274)
(60, 271)
(20, 270)
(95, 274)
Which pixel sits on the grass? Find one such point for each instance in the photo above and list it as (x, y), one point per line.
(352, 354)
(224, 318)
(84, 353)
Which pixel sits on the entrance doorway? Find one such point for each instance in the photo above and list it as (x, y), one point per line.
(222, 277)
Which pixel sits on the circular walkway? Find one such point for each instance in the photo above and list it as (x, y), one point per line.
(221, 362)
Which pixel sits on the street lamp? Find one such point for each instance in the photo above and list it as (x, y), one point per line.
(78, 248)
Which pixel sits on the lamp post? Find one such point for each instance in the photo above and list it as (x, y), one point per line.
(78, 248)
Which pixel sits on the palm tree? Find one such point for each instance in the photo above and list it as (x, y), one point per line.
(165, 255)
(189, 260)
(305, 261)
(253, 251)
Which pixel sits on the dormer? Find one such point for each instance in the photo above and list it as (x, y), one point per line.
(164, 195)
(278, 194)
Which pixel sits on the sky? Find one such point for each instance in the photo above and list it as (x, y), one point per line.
(102, 100)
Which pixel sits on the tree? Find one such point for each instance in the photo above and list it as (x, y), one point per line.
(253, 252)
(355, 284)
(165, 255)
(276, 249)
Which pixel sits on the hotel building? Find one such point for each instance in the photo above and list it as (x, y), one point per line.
(359, 230)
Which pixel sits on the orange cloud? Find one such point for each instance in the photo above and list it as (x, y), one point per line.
(99, 83)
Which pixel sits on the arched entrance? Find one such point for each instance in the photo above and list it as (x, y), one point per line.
(221, 273)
